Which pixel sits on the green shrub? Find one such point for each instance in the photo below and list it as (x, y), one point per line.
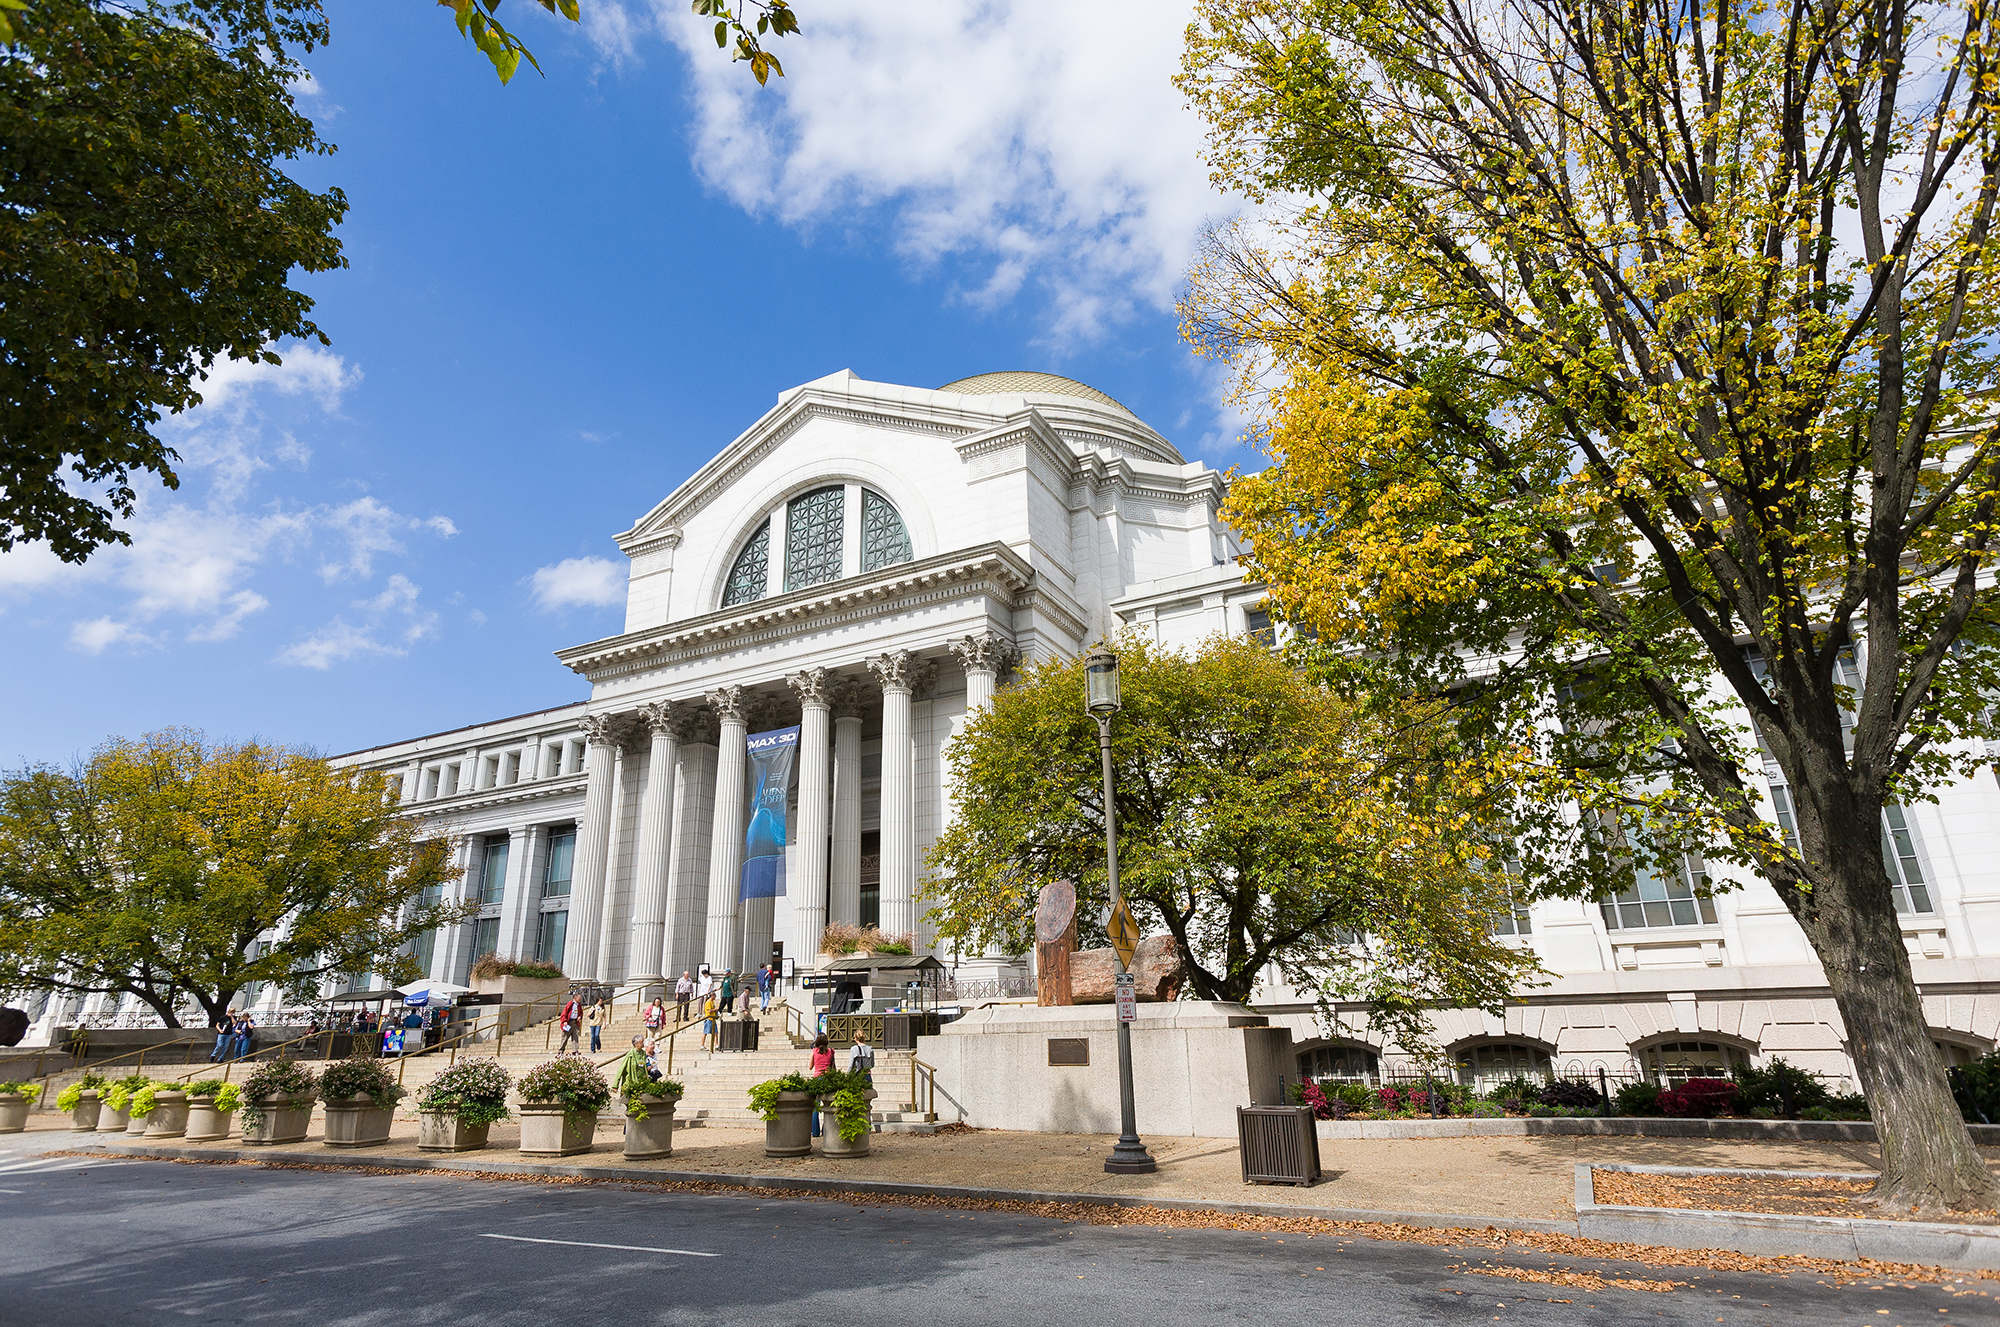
(145, 1099)
(491, 968)
(1355, 1096)
(204, 1087)
(347, 1079)
(474, 1092)
(570, 1081)
(764, 1095)
(1639, 1099)
(1841, 1106)
(1780, 1088)
(1518, 1088)
(1976, 1088)
(29, 1090)
(1574, 1093)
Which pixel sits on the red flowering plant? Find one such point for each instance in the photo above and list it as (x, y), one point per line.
(1699, 1098)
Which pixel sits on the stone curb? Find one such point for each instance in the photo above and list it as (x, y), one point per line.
(1939, 1244)
(1597, 1126)
(815, 1184)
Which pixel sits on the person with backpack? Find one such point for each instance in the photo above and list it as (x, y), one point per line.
(246, 1029)
(862, 1061)
(822, 1060)
(656, 1015)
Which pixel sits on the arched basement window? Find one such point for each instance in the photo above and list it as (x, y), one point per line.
(751, 574)
(884, 541)
(812, 537)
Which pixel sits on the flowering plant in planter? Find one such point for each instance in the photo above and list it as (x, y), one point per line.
(571, 1081)
(764, 1095)
(359, 1078)
(283, 1079)
(72, 1096)
(635, 1104)
(850, 1107)
(143, 1100)
(119, 1095)
(475, 1093)
(28, 1090)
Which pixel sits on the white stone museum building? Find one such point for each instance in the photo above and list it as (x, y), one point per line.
(865, 564)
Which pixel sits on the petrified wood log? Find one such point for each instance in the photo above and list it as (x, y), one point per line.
(1055, 937)
(1156, 964)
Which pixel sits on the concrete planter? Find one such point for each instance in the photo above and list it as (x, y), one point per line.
(437, 1132)
(205, 1123)
(831, 1144)
(280, 1120)
(13, 1112)
(112, 1121)
(790, 1135)
(357, 1122)
(134, 1124)
(653, 1136)
(83, 1115)
(170, 1115)
(547, 1130)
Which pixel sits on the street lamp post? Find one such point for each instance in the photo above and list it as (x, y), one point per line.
(1101, 698)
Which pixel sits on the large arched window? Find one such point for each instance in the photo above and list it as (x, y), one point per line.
(813, 527)
(815, 531)
(1482, 1066)
(752, 572)
(884, 541)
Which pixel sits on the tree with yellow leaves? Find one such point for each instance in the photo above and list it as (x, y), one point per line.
(1263, 820)
(1632, 372)
(153, 869)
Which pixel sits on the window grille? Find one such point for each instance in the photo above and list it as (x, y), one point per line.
(1680, 899)
(1899, 855)
(750, 577)
(813, 528)
(1347, 1064)
(1671, 1063)
(884, 541)
(1257, 626)
(1481, 1067)
(549, 937)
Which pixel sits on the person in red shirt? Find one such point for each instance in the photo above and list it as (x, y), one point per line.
(822, 1060)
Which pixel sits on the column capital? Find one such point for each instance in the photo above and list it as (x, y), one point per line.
(728, 704)
(668, 718)
(895, 671)
(848, 695)
(985, 652)
(813, 686)
(600, 729)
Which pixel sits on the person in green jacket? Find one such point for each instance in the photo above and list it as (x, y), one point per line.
(635, 1075)
(728, 989)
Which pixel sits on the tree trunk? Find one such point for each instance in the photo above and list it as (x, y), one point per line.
(1928, 1160)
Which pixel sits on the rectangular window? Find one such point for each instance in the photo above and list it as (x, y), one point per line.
(1680, 899)
(555, 876)
(1512, 918)
(1257, 626)
(871, 878)
(485, 937)
(1899, 855)
(549, 937)
(493, 871)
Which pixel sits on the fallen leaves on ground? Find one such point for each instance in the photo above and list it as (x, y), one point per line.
(1779, 1195)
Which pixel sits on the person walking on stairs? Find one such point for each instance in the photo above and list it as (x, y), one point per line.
(570, 1018)
(656, 1017)
(595, 1017)
(863, 1060)
(765, 979)
(683, 992)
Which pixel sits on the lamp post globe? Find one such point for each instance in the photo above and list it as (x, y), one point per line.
(1102, 700)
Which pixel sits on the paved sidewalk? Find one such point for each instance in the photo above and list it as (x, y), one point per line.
(1531, 1179)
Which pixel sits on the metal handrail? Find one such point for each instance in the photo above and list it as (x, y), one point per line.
(255, 1051)
(929, 1111)
(49, 1077)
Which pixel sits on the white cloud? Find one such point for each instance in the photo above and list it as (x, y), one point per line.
(1039, 141)
(391, 622)
(579, 582)
(371, 529)
(95, 636)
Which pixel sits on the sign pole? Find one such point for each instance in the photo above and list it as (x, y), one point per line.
(1129, 1156)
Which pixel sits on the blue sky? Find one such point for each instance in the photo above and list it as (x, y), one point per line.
(565, 295)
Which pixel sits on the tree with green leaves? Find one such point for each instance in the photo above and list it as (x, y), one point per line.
(1631, 374)
(148, 228)
(1263, 820)
(155, 868)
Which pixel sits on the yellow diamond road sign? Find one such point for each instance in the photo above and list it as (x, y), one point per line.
(1124, 932)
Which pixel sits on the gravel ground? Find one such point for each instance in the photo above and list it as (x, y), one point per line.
(1756, 1193)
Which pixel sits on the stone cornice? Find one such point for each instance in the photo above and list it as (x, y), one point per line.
(562, 785)
(907, 585)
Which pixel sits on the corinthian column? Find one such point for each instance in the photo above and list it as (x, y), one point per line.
(815, 807)
(985, 656)
(895, 671)
(725, 857)
(843, 891)
(656, 834)
(593, 835)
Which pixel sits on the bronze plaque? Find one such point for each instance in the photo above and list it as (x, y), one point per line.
(1069, 1050)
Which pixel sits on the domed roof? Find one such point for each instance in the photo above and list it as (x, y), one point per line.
(1027, 382)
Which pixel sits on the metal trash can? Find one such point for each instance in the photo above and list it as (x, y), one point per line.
(1277, 1144)
(739, 1034)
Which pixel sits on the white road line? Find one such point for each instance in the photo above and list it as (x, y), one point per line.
(13, 1191)
(586, 1244)
(29, 1168)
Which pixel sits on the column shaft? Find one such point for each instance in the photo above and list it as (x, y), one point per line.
(809, 893)
(687, 882)
(899, 874)
(593, 833)
(656, 829)
(725, 858)
(844, 870)
(522, 896)
(616, 900)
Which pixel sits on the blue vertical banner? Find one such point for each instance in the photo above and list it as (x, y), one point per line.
(772, 756)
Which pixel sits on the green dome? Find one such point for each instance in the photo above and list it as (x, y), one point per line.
(1026, 382)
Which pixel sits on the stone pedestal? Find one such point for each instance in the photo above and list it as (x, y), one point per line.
(1055, 1069)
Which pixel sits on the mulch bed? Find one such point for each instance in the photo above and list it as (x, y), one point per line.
(1758, 1193)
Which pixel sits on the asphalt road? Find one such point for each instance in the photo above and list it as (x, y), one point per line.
(89, 1242)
